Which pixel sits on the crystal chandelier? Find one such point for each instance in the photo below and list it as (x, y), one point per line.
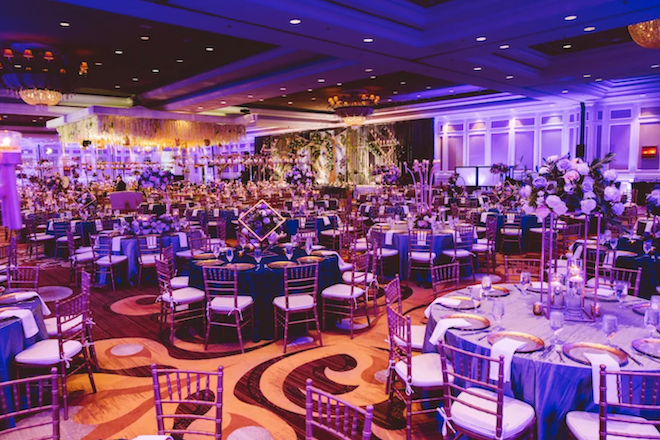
(646, 34)
(40, 96)
(354, 106)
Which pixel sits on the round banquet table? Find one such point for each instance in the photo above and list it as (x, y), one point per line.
(526, 223)
(291, 225)
(553, 388)
(264, 284)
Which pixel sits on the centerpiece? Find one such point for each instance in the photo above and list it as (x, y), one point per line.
(158, 180)
(54, 183)
(653, 206)
(260, 221)
(151, 224)
(300, 177)
(389, 174)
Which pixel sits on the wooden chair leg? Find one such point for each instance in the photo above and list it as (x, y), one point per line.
(65, 400)
(88, 364)
(208, 329)
(238, 328)
(318, 328)
(352, 312)
(286, 329)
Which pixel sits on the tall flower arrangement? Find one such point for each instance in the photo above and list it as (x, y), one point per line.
(145, 225)
(300, 177)
(156, 179)
(54, 183)
(390, 173)
(564, 185)
(653, 201)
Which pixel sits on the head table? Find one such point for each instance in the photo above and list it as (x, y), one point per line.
(551, 386)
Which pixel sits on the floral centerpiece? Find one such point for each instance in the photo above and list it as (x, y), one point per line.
(260, 221)
(156, 179)
(54, 183)
(499, 168)
(653, 201)
(390, 173)
(423, 221)
(299, 177)
(150, 224)
(572, 185)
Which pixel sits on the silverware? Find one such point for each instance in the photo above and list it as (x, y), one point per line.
(546, 352)
(561, 356)
(476, 332)
(649, 357)
(630, 356)
(484, 336)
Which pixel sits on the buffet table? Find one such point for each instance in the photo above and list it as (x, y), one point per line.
(551, 386)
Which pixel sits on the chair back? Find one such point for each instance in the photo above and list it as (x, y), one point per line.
(168, 255)
(70, 315)
(336, 416)
(468, 373)
(8, 253)
(218, 282)
(196, 390)
(491, 229)
(630, 276)
(464, 237)
(23, 277)
(302, 279)
(150, 244)
(420, 240)
(101, 246)
(71, 243)
(164, 276)
(445, 278)
(23, 398)
(393, 294)
(514, 266)
(399, 328)
(60, 227)
(360, 270)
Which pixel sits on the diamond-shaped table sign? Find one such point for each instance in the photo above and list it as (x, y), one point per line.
(261, 220)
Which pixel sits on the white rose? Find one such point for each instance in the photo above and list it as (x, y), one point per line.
(582, 168)
(612, 194)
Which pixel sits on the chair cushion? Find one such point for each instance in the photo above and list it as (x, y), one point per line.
(422, 256)
(42, 237)
(116, 259)
(331, 233)
(149, 259)
(347, 277)
(360, 247)
(417, 333)
(343, 267)
(480, 229)
(458, 253)
(342, 291)
(482, 241)
(83, 250)
(511, 231)
(51, 325)
(226, 303)
(64, 238)
(187, 254)
(362, 240)
(296, 302)
(585, 426)
(187, 295)
(516, 415)
(47, 352)
(478, 247)
(538, 230)
(386, 252)
(179, 282)
(83, 258)
(426, 371)
(3, 278)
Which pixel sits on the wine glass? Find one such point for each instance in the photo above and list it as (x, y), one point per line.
(651, 321)
(655, 302)
(498, 314)
(486, 285)
(525, 282)
(475, 295)
(288, 252)
(621, 292)
(216, 251)
(242, 241)
(309, 245)
(646, 247)
(294, 240)
(257, 256)
(556, 324)
(614, 242)
(610, 326)
(230, 254)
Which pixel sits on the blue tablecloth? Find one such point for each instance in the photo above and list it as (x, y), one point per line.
(12, 339)
(265, 284)
(400, 243)
(291, 225)
(526, 223)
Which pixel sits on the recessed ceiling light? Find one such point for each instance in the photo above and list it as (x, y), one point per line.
(98, 63)
(482, 38)
(599, 79)
(564, 91)
(117, 86)
(567, 46)
(451, 91)
(119, 52)
(309, 90)
(135, 79)
(34, 120)
(200, 108)
(477, 68)
(290, 103)
(250, 96)
(179, 60)
(339, 84)
(368, 70)
(570, 17)
(144, 38)
(155, 70)
(389, 100)
(504, 46)
(313, 98)
(643, 95)
(283, 96)
(282, 89)
(295, 21)
(321, 80)
(589, 29)
(403, 83)
(509, 77)
(209, 49)
(65, 24)
(419, 96)
(367, 40)
(395, 92)
(223, 102)
(261, 99)
(655, 66)
(18, 66)
(428, 87)
(372, 77)
(586, 75)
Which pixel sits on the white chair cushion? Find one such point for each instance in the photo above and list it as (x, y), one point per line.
(116, 259)
(187, 254)
(226, 303)
(426, 371)
(179, 282)
(385, 252)
(64, 238)
(417, 333)
(585, 426)
(51, 325)
(296, 303)
(342, 291)
(3, 278)
(482, 241)
(47, 352)
(42, 237)
(422, 256)
(511, 231)
(343, 267)
(331, 233)
(478, 247)
(83, 250)
(347, 277)
(538, 230)
(480, 229)
(458, 253)
(360, 247)
(148, 260)
(362, 240)
(516, 414)
(82, 258)
(187, 295)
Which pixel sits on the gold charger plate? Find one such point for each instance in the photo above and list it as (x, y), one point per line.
(640, 309)
(498, 291)
(310, 259)
(322, 253)
(648, 346)
(239, 266)
(476, 322)
(212, 262)
(576, 351)
(204, 256)
(532, 343)
(466, 303)
(281, 264)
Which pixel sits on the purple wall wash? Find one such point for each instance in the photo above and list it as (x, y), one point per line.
(455, 152)
(499, 148)
(525, 148)
(649, 135)
(550, 143)
(620, 145)
(477, 149)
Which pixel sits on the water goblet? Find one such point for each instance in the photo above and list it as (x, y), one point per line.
(486, 285)
(647, 246)
(610, 326)
(651, 321)
(230, 254)
(309, 245)
(614, 242)
(621, 291)
(288, 252)
(525, 282)
(475, 296)
(216, 251)
(498, 314)
(556, 324)
(257, 256)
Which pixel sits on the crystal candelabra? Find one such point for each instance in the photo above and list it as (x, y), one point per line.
(423, 172)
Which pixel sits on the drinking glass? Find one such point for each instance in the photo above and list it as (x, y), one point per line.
(525, 282)
(294, 240)
(288, 252)
(475, 295)
(257, 256)
(216, 251)
(614, 242)
(610, 326)
(486, 285)
(655, 302)
(651, 321)
(556, 324)
(647, 246)
(620, 291)
(498, 314)
(230, 254)
(242, 241)
(309, 245)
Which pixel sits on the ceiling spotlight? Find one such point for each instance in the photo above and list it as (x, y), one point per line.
(117, 86)
(135, 79)
(200, 108)
(339, 84)
(509, 77)
(295, 21)
(250, 96)
(586, 75)
(179, 60)
(368, 40)
(368, 70)
(283, 96)
(599, 79)
(567, 46)
(65, 24)
(477, 68)
(321, 80)
(144, 38)
(504, 46)
(570, 17)
(642, 95)
(564, 91)
(290, 103)
(589, 29)
(313, 98)
(655, 66)
(395, 92)
(98, 63)
(403, 83)
(155, 70)
(309, 90)
(261, 99)
(282, 89)
(419, 96)
(119, 52)
(209, 49)
(372, 77)
(223, 102)
(482, 38)
(34, 120)
(428, 87)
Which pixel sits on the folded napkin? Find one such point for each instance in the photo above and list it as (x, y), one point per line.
(183, 239)
(648, 225)
(389, 237)
(381, 210)
(483, 217)
(50, 226)
(510, 218)
(151, 206)
(406, 210)
(195, 212)
(611, 365)
(504, 347)
(13, 298)
(446, 201)
(152, 242)
(445, 324)
(605, 292)
(367, 208)
(27, 319)
(327, 203)
(449, 302)
(326, 221)
(98, 224)
(236, 212)
(216, 213)
(116, 244)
